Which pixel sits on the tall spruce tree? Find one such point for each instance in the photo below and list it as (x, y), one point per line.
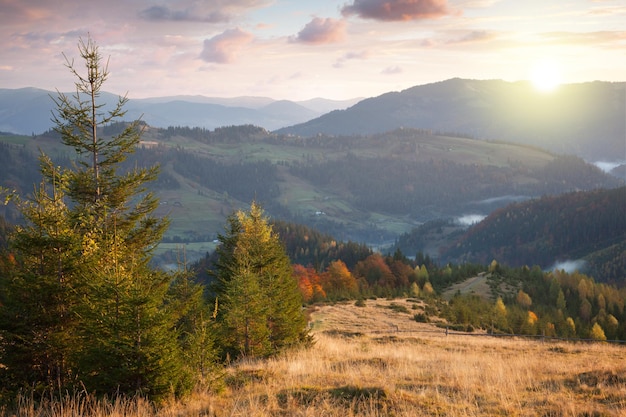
(260, 305)
(130, 342)
(117, 307)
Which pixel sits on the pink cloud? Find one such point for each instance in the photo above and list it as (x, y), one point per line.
(322, 30)
(398, 10)
(223, 48)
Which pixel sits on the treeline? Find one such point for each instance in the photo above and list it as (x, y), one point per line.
(555, 304)
(401, 187)
(522, 300)
(552, 228)
(308, 246)
(226, 134)
(243, 181)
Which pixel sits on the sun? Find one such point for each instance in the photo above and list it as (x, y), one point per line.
(545, 76)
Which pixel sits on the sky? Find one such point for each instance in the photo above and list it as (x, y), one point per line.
(298, 50)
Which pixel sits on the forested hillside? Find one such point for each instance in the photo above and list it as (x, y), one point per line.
(589, 225)
(519, 300)
(368, 189)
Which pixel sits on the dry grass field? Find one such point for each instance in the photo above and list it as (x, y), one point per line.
(377, 361)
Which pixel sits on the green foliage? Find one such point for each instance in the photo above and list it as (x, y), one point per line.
(195, 323)
(244, 181)
(38, 291)
(469, 310)
(308, 246)
(421, 318)
(399, 308)
(81, 305)
(260, 305)
(545, 303)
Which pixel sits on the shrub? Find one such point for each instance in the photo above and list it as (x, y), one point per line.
(421, 318)
(399, 308)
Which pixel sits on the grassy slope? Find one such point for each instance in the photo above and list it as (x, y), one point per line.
(362, 365)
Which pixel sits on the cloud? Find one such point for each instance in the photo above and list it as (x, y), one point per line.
(321, 31)
(161, 13)
(398, 10)
(607, 11)
(23, 11)
(392, 70)
(210, 11)
(569, 266)
(223, 48)
(351, 56)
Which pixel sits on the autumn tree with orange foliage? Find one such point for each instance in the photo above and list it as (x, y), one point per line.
(309, 283)
(338, 282)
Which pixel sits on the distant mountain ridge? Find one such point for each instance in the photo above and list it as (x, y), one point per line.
(28, 110)
(583, 119)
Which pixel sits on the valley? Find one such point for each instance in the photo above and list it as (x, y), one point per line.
(368, 189)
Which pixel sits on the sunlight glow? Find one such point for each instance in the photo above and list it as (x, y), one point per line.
(545, 76)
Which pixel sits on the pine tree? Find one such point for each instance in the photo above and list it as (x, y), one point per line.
(261, 306)
(195, 324)
(129, 338)
(124, 335)
(37, 291)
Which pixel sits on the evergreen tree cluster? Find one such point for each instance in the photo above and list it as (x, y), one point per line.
(81, 307)
(261, 307)
(443, 183)
(245, 181)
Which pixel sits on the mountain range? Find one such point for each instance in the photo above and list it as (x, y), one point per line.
(584, 119)
(28, 111)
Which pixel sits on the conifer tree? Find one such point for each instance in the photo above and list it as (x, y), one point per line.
(130, 343)
(37, 291)
(195, 324)
(117, 306)
(260, 304)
